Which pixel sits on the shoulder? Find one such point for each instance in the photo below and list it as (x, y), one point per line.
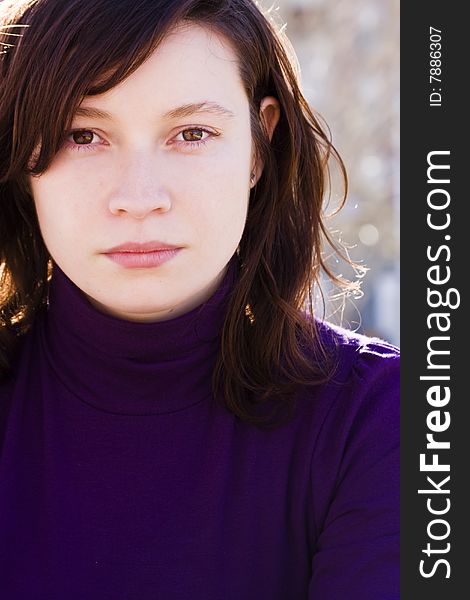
(361, 399)
(354, 468)
(19, 369)
(356, 350)
(361, 363)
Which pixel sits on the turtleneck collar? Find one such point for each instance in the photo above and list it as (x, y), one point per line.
(133, 368)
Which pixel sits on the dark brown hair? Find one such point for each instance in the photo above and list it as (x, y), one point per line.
(53, 53)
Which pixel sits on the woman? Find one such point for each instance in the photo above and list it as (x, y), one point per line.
(173, 422)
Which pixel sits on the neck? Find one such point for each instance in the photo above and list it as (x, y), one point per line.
(136, 368)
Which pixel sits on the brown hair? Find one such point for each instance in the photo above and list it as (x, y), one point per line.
(54, 54)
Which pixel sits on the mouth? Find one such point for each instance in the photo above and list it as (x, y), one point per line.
(142, 248)
(143, 259)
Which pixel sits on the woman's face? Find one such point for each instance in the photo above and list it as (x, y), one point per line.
(155, 169)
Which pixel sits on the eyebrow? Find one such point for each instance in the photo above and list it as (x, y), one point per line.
(184, 110)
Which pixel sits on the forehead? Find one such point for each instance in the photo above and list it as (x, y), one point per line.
(190, 65)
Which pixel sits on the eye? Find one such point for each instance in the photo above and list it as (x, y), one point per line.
(193, 137)
(81, 140)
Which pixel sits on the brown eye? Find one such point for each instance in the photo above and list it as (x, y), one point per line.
(82, 137)
(193, 135)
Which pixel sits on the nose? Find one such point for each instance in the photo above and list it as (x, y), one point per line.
(139, 191)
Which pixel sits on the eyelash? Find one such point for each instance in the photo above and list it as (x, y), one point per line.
(92, 148)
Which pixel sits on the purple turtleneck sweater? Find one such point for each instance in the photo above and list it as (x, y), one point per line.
(121, 479)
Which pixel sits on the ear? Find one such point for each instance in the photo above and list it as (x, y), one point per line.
(269, 112)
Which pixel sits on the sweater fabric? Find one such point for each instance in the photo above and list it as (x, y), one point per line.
(122, 479)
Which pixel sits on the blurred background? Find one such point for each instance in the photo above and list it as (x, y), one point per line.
(348, 52)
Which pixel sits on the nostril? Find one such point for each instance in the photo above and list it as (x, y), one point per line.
(139, 207)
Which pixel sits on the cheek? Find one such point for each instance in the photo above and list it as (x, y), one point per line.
(217, 212)
(61, 211)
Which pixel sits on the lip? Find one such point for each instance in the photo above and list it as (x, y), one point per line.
(134, 255)
(141, 247)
